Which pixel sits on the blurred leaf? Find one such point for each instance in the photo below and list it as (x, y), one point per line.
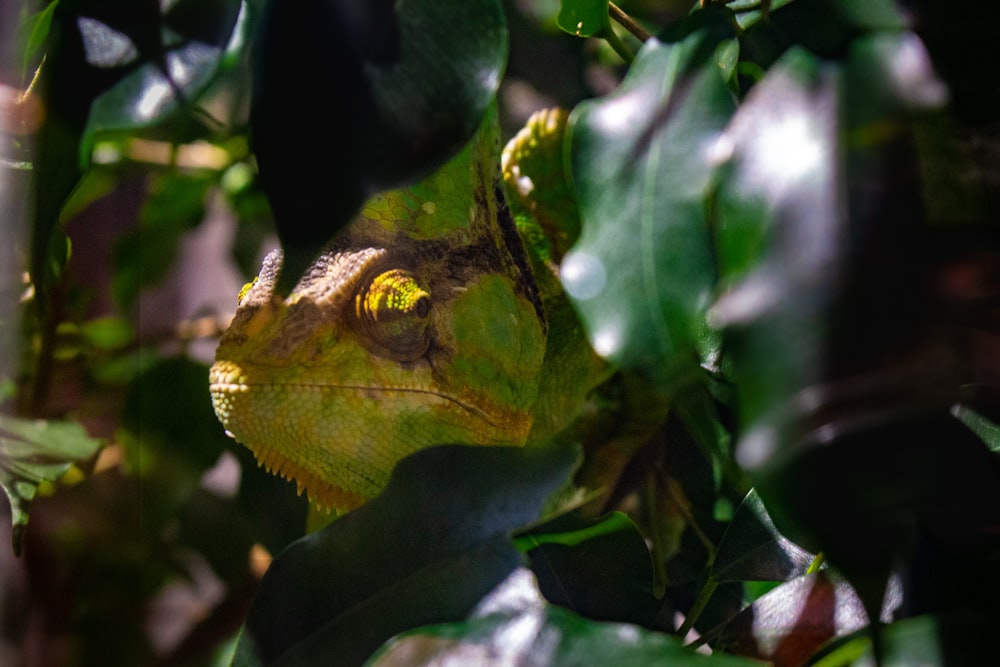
(777, 240)
(642, 272)
(788, 624)
(414, 80)
(824, 27)
(33, 452)
(108, 333)
(752, 549)
(425, 551)
(515, 627)
(37, 29)
(175, 203)
(988, 431)
(938, 640)
(869, 494)
(584, 18)
(961, 37)
(110, 65)
(95, 559)
(823, 257)
(599, 568)
(170, 433)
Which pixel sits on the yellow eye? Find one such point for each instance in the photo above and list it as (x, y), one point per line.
(391, 315)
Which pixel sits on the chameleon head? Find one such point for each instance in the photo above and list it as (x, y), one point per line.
(396, 339)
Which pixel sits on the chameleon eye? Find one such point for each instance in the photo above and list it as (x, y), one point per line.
(391, 315)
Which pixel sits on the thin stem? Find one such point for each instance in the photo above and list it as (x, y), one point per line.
(816, 563)
(34, 81)
(627, 22)
(616, 43)
(699, 606)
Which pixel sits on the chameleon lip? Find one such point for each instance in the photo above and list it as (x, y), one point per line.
(235, 387)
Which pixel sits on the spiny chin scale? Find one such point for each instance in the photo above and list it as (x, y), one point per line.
(320, 493)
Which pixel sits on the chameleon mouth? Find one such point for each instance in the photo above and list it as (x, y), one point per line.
(377, 392)
(372, 392)
(339, 442)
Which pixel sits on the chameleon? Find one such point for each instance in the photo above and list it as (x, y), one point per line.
(435, 317)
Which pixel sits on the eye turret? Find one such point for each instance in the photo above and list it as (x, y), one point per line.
(391, 314)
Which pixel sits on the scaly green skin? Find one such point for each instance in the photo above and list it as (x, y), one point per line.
(422, 325)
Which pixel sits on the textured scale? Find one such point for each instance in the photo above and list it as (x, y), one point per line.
(421, 325)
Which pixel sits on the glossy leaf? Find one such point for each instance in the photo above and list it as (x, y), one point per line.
(425, 551)
(413, 81)
(584, 18)
(514, 626)
(642, 272)
(787, 625)
(752, 548)
(36, 452)
(778, 238)
(822, 253)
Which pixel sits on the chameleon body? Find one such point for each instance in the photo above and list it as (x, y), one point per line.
(423, 324)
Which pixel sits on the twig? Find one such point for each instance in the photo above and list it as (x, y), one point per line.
(627, 22)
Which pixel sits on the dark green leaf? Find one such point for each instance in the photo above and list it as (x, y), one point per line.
(515, 627)
(425, 551)
(584, 18)
(642, 272)
(825, 27)
(33, 452)
(600, 569)
(413, 81)
(752, 549)
(170, 432)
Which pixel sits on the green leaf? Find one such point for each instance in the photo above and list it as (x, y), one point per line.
(170, 433)
(584, 18)
(414, 80)
(642, 272)
(35, 452)
(107, 333)
(752, 549)
(515, 627)
(425, 551)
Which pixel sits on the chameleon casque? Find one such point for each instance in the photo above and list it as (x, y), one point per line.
(428, 321)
